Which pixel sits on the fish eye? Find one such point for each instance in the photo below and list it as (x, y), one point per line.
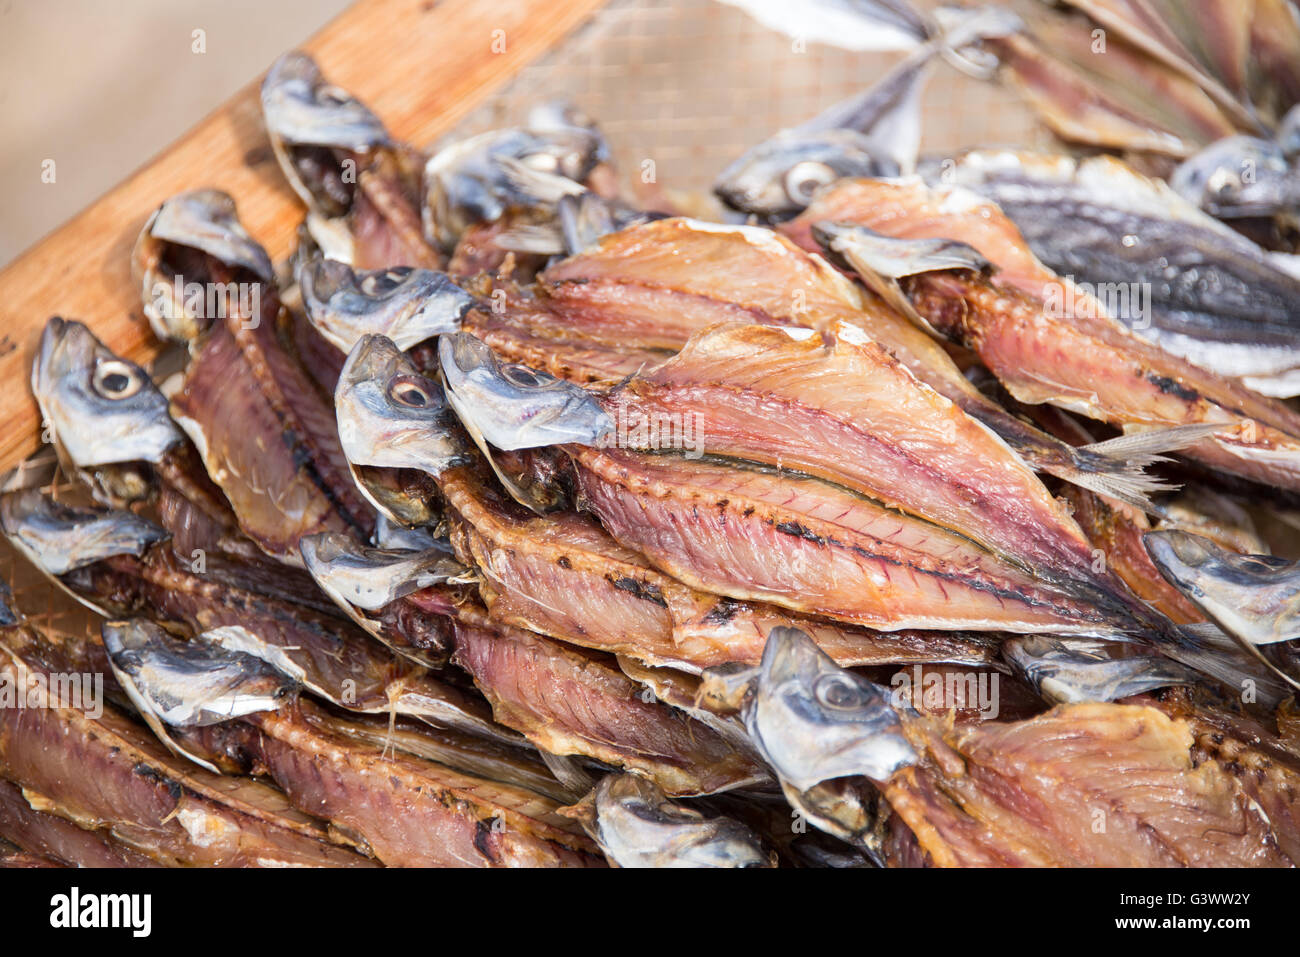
(523, 376)
(116, 380)
(839, 692)
(332, 95)
(376, 284)
(409, 391)
(802, 180)
(1223, 180)
(542, 162)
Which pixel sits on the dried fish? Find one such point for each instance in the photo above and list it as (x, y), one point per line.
(1049, 342)
(481, 178)
(1171, 274)
(118, 576)
(562, 575)
(954, 788)
(406, 305)
(644, 288)
(756, 394)
(405, 810)
(93, 766)
(1071, 670)
(361, 188)
(637, 826)
(1251, 596)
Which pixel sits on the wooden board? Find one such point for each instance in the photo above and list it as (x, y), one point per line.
(420, 65)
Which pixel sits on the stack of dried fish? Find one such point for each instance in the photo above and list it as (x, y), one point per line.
(513, 523)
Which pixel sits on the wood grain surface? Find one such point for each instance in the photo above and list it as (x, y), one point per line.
(420, 65)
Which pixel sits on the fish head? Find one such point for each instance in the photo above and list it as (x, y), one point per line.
(1237, 176)
(103, 409)
(406, 304)
(813, 721)
(562, 115)
(779, 177)
(1068, 670)
(390, 415)
(188, 684)
(316, 127)
(477, 180)
(637, 826)
(58, 538)
(193, 243)
(356, 576)
(515, 407)
(1254, 597)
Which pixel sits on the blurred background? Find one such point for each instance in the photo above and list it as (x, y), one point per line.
(101, 86)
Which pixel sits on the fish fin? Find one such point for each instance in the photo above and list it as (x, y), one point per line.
(572, 775)
(1145, 447)
(1229, 660)
(1124, 482)
(583, 220)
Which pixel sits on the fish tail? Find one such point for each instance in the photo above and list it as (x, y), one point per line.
(1117, 467)
(1211, 651)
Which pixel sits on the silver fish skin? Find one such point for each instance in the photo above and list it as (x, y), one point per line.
(370, 578)
(1181, 278)
(302, 110)
(102, 408)
(476, 180)
(391, 535)
(389, 415)
(1253, 597)
(637, 826)
(814, 721)
(1067, 670)
(58, 538)
(1239, 177)
(194, 683)
(405, 304)
(203, 220)
(515, 407)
